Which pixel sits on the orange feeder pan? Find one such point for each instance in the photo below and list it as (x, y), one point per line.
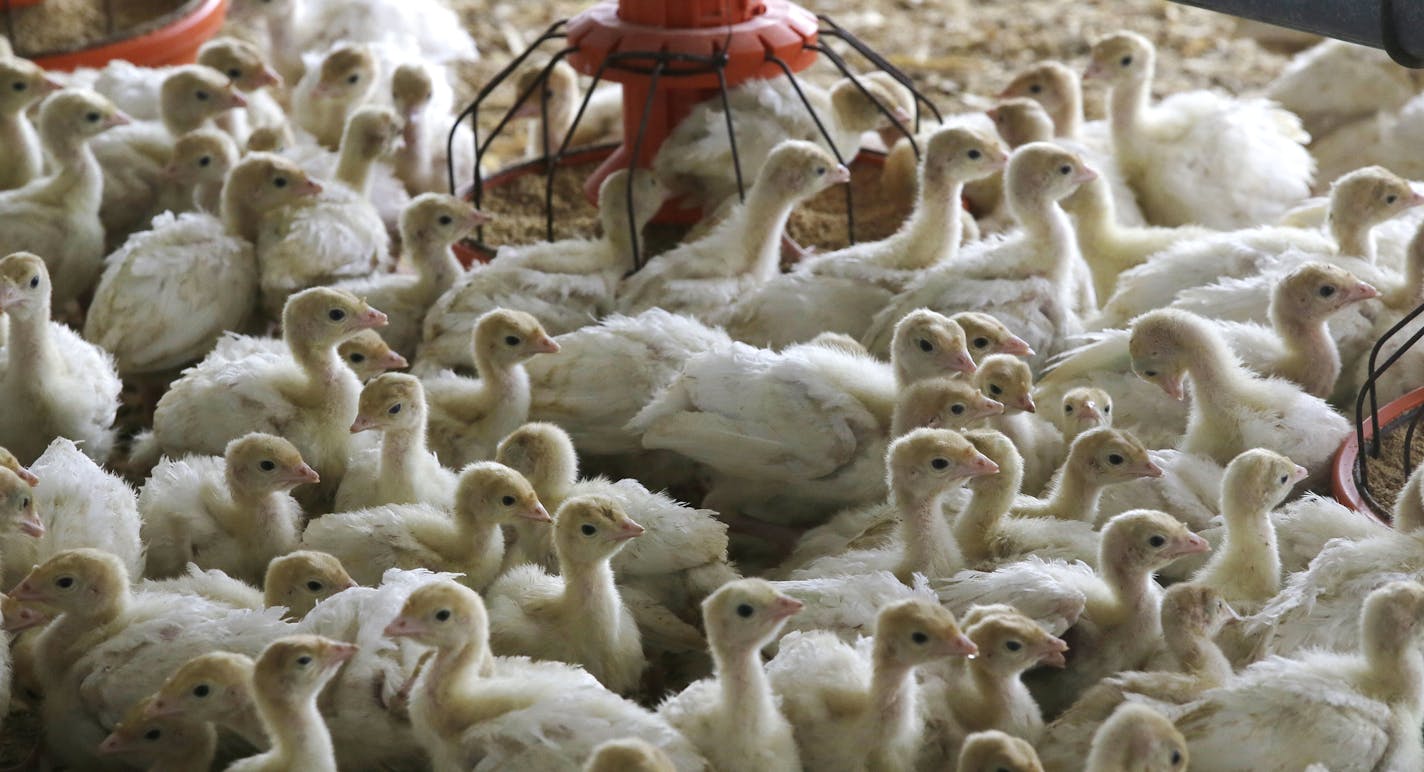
(1343, 485)
(176, 42)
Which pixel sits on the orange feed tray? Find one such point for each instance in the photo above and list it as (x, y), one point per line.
(174, 43)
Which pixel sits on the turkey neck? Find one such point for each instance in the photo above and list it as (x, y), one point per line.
(591, 598)
(1128, 105)
(33, 361)
(416, 155)
(746, 695)
(178, 125)
(1218, 380)
(403, 447)
(929, 544)
(1075, 497)
(253, 516)
(1132, 587)
(298, 733)
(452, 683)
(1410, 292)
(1394, 666)
(353, 168)
(435, 265)
(1046, 224)
(240, 218)
(989, 700)
(761, 221)
(1311, 357)
(553, 481)
(892, 702)
(507, 383)
(1068, 118)
(1250, 552)
(931, 234)
(24, 164)
(1352, 236)
(324, 370)
(991, 500)
(79, 183)
(69, 635)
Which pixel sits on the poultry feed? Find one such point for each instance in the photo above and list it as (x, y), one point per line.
(966, 494)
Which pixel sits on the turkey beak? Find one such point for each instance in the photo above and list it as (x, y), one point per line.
(991, 407)
(23, 618)
(9, 295)
(119, 118)
(26, 475)
(362, 423)
(537, 513)
(392, 361)
(405, 627)
(963, 363)
(979, 465)
(1150, 469)
(958, 644)
(839, 175)
(1085, 175)
(1090, 414)
(1175, 387)
(1191, 544)
(1361, 291)
(303, 475)
(49, 85)
(784, 607)
(1415, 199)
(1053, 650)
(370, 318)
(111, 744)
(267, 77)
(337, 653)
(1016, 346)
(308, 187)
(627, 531)
(1094, 71)
(26, 591)
(156, 708)
(546, 345)
(31, 525)
(1299, 473)
(477, 218)
(1025, 404)
(235, 99)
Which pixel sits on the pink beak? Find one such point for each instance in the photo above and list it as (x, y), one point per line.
(404, 627)
(235, 99)
(1192, 545)
(268, 77)
(30, 525)
(963, 363)
(370, 318)
(784, 607)
(156, 709)
(839, 175)
(1362, 291)
(1053, 656)
(546, 345)
(23, 619)
(119, 118)
(1015, 345)
(362, 423)
(111, 744)
(308, 187)
(341, 652)
(392, 361)
(303, 474)
(1085, 175)
(1094, 71)
(960, 645)
(992, 407)
(629, 530)
(1152, 470)
(1300, 473)
(1025, 404)
(537, 513)
(478, 218)
(979, 466)
(25, 591)
(27, 476)
(49, 85)
(1415, 199)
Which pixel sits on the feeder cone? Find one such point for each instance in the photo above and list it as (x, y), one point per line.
(750, 34)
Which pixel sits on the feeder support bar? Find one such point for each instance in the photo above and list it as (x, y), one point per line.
(1397, 26)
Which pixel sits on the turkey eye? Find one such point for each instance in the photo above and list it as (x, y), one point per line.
(508, 501)
(1176, 757)
(1150, 373)
(1157, 541)
(304, 660)
(446, 219)
(1107, 409)
(234, 73)
(280, 182)
(820, 170)
(1115, 459)
(1125, 61)
(1327, 291)
(981, 342)
(941, 463)
(34, 281)
(358, 358)
(975, 154)
(353, 78)
(152, 734)
(1035, 89)
(201, 95)
(201, 690)
(511, 340)
(23, 86)
(92, 117)
(65, 582)
(1390, 199)
(25, 503)
(443, 615)
(995, 390)
(588, 530)
(957, 409)
(1065, 169)
(336, 314)
(315, 586)
(1013, 645)
(919, 637)
(205, 161)
(1068, 408)
(267, 466)
(745, 610)
(926, 345)
(394, 409)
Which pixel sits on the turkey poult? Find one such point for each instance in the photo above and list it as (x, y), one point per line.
(22, 83)
(233, 513)
(469, 705)
(169, 293)
(702, 277)
(68, 387)
(56, 216)
(194, 176)
(1197, 156)
(734, 719)
(286, 679)
(399, 470)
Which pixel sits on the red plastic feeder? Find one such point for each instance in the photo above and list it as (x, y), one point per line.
(748, 33)
(175, 40)
(1342, 473)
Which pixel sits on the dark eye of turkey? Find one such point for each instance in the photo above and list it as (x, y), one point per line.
(1327, 291)
(940, 463)
(1157, 541)
(745, 610)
